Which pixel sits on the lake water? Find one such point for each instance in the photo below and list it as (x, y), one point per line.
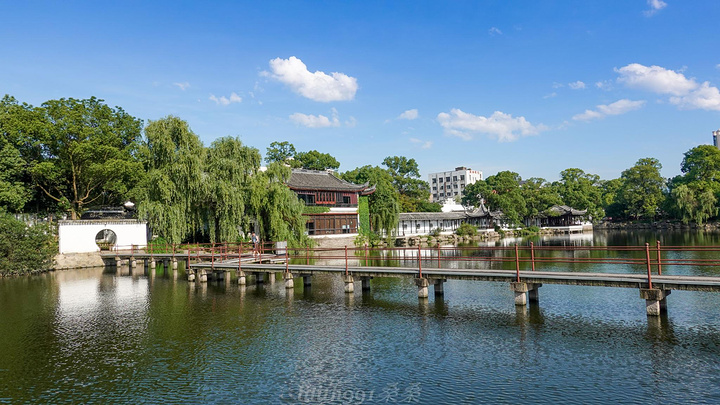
(93, 336)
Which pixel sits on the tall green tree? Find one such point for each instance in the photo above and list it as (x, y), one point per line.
(383, 203)
(280, 152)
(315, 160)
(414, 192)
(581, 191)
(172, 193)
(86, 153)
(610, 198)
(643, 189)
(539, 195)
(697, 200)
(229, 166)
(499, 192)
(20, 128)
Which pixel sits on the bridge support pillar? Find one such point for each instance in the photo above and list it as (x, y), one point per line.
(365, 281)
(289, 281)
(241, 277)
(307, 281)
(422, 285)
(271, 278)
(133, 263)
(191, 275)
(118, 262)
(203, 276)
(655, 300)
(349, 284)
(174, 264)
(259, 277)
(439, 287)
(525, 291)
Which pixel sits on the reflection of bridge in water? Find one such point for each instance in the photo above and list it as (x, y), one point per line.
(525, 268)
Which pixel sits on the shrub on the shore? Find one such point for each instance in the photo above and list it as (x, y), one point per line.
(25, 248)
(466, 230)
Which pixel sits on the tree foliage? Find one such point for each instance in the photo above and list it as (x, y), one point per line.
(84, 152)
(581, 191)
(25, 248)
(383, 203)
(172, 194)
(414, 192)
(280, 152)
(643, 189)
(314, 160)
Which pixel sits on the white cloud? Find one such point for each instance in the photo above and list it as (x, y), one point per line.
(423, 144)
(551, 95)
(604, 85)
(557, 85)
(578, 85)
(351, 122)
(317, 86)
(616, 108)
(222, 100)
(183, 86)
(705, 97)
(655, 6)
(320, 121)
(503, 126)
(409, 115)
(314, 121)
(717, 66)
(494, 31)
(656, 79)
(685, 93)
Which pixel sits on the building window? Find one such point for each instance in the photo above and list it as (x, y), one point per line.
(455, 186)
(441, 179)
(462, 177)
(442, 194)
(454, 178)
(447, 179)
(434, 187)
(434, 195)
(434, 180)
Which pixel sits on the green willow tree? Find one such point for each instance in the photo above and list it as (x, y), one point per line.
(229, 167)
(172, 193)
(276, 208)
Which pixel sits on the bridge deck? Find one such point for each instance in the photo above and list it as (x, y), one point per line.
(688, 283)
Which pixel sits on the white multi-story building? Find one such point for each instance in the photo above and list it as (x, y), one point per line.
(446, 185)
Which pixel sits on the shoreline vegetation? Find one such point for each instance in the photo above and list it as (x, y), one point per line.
(67, 156)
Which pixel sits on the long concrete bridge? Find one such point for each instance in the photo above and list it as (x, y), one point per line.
(653, 286)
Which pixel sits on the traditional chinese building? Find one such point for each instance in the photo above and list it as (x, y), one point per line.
(338, 197)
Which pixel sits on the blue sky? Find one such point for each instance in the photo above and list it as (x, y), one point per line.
(529, 86)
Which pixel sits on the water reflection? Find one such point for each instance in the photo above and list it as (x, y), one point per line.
(89, 336)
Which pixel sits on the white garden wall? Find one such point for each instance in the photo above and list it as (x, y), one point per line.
(79, 236)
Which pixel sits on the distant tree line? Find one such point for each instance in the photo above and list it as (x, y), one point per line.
(66, 156)
(640, 193)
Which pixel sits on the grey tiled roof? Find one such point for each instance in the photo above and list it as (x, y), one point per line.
(303, 179)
